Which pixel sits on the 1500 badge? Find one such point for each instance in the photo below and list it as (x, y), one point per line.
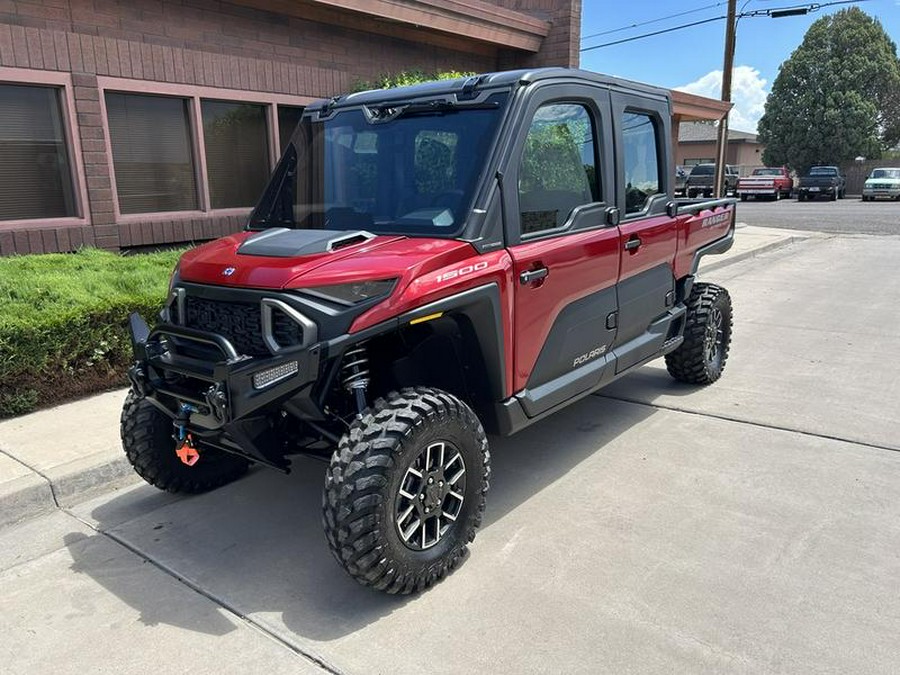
(462, 271)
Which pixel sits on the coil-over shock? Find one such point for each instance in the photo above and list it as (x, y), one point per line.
(355, 375)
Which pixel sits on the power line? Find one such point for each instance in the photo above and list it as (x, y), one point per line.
(650, 21)
(814, 7)
(658, 32)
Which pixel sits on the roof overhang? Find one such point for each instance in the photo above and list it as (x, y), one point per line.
(434, 21)
(690, 107)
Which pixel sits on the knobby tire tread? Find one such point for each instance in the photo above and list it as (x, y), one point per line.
(354, 499)
(146, 433)
(688, 362)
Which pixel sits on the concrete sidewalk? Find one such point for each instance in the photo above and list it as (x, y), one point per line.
(64, 455)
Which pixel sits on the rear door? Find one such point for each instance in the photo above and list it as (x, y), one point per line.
(646, 288)
(558, 189)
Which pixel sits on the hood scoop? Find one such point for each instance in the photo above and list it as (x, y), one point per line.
(282, 242)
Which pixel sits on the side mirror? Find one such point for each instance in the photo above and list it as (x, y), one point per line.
(671, 209)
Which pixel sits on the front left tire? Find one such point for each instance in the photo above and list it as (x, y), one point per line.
(405, 491)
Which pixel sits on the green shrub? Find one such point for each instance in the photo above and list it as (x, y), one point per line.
(63, 322)
(407, 78)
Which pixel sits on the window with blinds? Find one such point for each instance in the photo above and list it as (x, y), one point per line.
(237, 152)
(152, 153)
(35, 175)
(288, 119)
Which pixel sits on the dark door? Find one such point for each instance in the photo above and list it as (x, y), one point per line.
(565, 255)
(649, 236)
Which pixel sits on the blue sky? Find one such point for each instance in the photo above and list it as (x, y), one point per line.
(691, 59)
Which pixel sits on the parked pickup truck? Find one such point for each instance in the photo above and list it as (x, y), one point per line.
(822, 181)
(882, 183)
(702, 178)
(769, 181)
(429, 264)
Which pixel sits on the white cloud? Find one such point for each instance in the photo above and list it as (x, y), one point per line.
(748, 93)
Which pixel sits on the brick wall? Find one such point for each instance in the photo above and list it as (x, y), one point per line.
(212, 44)
(561, 46)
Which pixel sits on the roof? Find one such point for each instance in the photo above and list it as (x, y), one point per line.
(487, 81)
(699, 132)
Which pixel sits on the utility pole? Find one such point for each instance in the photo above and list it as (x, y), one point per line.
(722, 138)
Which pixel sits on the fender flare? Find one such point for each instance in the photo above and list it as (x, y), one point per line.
(482, 308)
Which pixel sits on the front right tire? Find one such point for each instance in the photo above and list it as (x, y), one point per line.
(149, 444)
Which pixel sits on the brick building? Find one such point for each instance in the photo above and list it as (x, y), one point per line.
(140, 122)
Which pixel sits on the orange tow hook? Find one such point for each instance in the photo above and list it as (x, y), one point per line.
(186, 451)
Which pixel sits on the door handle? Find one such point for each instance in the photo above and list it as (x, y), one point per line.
(633, 244)
(531, 276)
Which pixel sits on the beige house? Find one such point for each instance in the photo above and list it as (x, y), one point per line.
(697, 145)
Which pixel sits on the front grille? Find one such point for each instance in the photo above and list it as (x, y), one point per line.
(241, 324)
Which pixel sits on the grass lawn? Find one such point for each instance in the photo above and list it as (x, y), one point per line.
(63, 321)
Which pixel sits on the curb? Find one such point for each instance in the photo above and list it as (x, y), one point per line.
(35, 493)
(39, 493)
(752, 253)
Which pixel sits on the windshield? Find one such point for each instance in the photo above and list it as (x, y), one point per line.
(886, 173)
(703, 170)
(823, 171)
(408, 169)
(766, 172)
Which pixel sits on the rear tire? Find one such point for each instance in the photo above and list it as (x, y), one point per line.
(149, 444)
(405, 491)
(707, 337)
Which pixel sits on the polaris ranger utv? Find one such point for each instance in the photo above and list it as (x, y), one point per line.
(428, 264)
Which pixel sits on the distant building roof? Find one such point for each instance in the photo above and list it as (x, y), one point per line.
(700, 132)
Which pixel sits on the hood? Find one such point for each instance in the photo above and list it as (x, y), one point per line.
(280, 258)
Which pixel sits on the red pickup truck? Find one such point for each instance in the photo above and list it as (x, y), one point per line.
(767, 181)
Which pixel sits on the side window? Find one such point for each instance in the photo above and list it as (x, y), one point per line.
(559, 166)
(641, 161)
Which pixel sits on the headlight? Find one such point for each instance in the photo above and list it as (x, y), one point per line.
(176, 277)
(353, 293)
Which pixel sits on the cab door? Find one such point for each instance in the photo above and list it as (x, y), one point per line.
(646, 286)
(557, 196)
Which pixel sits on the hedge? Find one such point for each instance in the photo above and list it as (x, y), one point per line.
(63, 322)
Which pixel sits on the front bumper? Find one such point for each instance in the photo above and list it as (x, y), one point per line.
(886, 193)
(220, 388)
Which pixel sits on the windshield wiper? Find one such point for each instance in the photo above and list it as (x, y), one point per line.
(385, 112)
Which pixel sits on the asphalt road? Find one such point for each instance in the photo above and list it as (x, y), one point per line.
(750, 527)
(845, 216)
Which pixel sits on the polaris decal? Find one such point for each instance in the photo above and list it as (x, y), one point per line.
(462, 271)
(584, 358)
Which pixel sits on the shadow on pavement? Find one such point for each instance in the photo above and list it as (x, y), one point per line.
(647, 384)
(257, 546)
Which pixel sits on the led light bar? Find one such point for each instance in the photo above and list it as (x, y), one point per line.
(270, 376)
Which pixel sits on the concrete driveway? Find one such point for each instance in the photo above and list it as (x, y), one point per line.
(753, 526)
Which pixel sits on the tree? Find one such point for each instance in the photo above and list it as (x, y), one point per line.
(836, 97)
